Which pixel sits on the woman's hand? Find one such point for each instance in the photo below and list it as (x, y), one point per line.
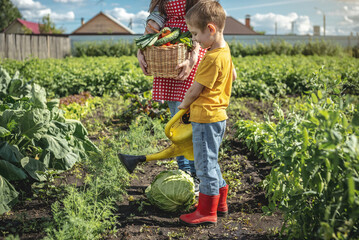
(142, 62)
(151, 27)
(186, 66)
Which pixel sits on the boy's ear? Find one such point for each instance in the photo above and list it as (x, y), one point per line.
(212, 28)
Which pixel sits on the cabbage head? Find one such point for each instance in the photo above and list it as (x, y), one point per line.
(172, 190)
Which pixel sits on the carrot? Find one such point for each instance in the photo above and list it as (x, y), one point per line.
(164, 34)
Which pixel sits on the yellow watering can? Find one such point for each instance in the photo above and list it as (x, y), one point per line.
(179, 131)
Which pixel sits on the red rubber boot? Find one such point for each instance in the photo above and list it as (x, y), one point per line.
(206, 212)
(222, 204)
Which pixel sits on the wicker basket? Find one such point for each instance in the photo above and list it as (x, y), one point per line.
(162, 61)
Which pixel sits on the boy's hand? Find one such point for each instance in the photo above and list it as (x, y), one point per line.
(182, 106)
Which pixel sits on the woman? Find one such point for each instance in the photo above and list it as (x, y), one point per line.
(170, 13)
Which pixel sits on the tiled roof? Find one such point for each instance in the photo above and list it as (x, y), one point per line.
(235, 27)
(34, 27)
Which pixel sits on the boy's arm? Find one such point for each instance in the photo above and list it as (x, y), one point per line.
(192, 94)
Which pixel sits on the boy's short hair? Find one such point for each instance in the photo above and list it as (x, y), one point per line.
(204, 12)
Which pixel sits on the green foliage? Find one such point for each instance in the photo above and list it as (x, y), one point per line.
(274, 76)
(34, 135)
(82, 215)
(258, 77)
(89, 212)
(99, 76)
(314, 180)
(319, 48)
(9, 13)
(104, 48)
(47, 26)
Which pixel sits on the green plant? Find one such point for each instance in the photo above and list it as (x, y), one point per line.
(34, 136)
(171, 191)
(314, 151)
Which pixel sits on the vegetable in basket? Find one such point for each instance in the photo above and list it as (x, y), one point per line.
(165, 37)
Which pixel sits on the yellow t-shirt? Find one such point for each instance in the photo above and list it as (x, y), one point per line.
(215, 73)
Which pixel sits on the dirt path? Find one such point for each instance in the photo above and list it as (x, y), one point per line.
(139, 220)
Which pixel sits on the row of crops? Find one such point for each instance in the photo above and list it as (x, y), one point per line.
(259, 77)
(314, 152)
(313, 146)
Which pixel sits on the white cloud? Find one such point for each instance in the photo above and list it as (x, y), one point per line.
(266, 22)
(350, 17)
(69, 1)
(37, 15)
(27, 4)
(138, 19)
(34, 11)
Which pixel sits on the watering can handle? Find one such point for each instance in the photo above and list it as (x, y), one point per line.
(178, 115)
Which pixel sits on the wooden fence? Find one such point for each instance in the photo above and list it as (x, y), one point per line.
(22, 46)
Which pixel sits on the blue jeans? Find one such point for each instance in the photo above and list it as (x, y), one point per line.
(207, 138)
(183, 163)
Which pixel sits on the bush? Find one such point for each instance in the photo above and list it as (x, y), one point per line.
(104, 48)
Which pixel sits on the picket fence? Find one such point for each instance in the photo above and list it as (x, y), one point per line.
(23, 46)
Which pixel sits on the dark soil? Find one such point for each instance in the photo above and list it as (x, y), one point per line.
(137, 219)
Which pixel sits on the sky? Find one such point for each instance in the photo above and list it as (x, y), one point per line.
(290, 16)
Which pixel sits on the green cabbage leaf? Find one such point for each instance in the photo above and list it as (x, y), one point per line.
(172, 191)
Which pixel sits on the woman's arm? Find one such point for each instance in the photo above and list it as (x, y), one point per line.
(191, 95)
(151, 25)
(155, 21)
(157, 17)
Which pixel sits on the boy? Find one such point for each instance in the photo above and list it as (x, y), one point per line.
(208, 99)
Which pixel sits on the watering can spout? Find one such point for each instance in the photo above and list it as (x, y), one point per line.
(179, 131)
(130, 161)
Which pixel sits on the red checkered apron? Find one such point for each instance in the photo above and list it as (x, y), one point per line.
(166, 88)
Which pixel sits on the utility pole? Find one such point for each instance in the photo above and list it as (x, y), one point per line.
(293, 22)
(130, 24)
(324, 24)
(276, 28)
(324, 20)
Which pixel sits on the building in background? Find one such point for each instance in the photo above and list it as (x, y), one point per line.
(22, 27)
(234, 27)
(316, 30)
(102, 24)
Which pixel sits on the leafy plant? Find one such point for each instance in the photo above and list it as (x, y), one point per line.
(171, 191)
(34, 135)
(314, 151)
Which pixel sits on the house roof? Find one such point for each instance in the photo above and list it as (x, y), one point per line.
(235, 27)
(34, 27)
(77, 31)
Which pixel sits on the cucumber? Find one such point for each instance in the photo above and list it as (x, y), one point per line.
(149, 41)
(168, 38)
(153, 41)
(143, 37)
(182, 35)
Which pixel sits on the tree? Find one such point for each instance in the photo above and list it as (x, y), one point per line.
(47, 26)
(8, 13)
